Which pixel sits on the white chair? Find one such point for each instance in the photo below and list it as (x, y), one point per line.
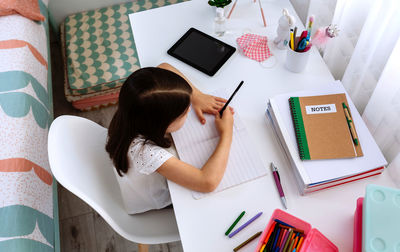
(80, 163)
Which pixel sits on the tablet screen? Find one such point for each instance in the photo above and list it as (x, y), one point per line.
(201, 51)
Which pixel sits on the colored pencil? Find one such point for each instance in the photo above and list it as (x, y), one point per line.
(244, 225)
(271, 239)
(294, 229)
(283, 223)
(290, 245)
(294, 241)
(284, 240)
(269, 232)
(276, 239)
(247, 241)
(300, 243)
(282, 237)
(288, 240)
(234, 223)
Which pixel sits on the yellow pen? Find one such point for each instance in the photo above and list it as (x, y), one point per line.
(291, 39)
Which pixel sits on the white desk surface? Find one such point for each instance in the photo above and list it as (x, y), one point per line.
(202, 223)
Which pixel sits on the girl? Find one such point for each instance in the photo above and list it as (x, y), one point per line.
(154, 102)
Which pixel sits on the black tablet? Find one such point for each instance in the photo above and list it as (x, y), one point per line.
(201, 51)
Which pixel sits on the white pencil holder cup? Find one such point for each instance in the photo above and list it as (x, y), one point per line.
(296, 61)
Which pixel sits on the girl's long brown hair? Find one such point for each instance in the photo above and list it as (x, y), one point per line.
(149, 101)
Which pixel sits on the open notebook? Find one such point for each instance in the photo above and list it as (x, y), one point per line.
(195, 143)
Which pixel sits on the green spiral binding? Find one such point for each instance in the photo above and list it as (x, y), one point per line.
(300, 131)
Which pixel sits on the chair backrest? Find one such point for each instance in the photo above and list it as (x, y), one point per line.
(79, 162)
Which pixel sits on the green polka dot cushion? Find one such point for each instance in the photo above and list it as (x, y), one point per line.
(99, 52)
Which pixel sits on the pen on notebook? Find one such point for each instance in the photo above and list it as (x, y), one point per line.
(234, 223)
(350, 124)
(245, 225)
(247, 241)
(230, 98)
(278, 184)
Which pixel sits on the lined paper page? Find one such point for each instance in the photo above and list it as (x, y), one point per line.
(196, 142)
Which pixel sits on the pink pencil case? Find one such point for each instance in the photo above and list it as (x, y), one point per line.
(314, 240)
(357, 233)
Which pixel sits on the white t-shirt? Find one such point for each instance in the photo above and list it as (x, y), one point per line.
(142, 187)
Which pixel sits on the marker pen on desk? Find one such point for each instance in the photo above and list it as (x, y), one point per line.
(278, 184)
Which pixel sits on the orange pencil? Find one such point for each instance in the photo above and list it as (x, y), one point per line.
(292, 246)
(269, 232)
(300, 243)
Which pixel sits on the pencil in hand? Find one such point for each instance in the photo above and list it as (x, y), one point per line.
(230, 98)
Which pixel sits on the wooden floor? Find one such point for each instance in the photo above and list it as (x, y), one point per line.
(81, 228)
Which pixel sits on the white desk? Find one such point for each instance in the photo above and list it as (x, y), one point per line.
(202, 223)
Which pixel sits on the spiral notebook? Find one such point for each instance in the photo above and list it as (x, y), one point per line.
(322, 129)
(315, 175)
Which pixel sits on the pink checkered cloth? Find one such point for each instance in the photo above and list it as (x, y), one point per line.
(254, 46)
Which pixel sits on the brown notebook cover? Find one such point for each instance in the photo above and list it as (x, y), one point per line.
(322, 129)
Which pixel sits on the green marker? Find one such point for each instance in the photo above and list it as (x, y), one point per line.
(234, 223)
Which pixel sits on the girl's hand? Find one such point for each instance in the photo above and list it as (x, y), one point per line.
(224, 124)
(204, 103)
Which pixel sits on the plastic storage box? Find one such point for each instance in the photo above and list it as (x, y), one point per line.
(381, 219)
(314, 240)
(357, 231)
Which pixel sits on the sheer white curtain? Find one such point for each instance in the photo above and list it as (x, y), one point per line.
(369, 31)
(382, 113)
(366, 58)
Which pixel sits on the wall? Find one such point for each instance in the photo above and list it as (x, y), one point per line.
(60, 9)
(301, 7)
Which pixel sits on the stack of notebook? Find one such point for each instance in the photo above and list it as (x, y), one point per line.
(324, 138)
